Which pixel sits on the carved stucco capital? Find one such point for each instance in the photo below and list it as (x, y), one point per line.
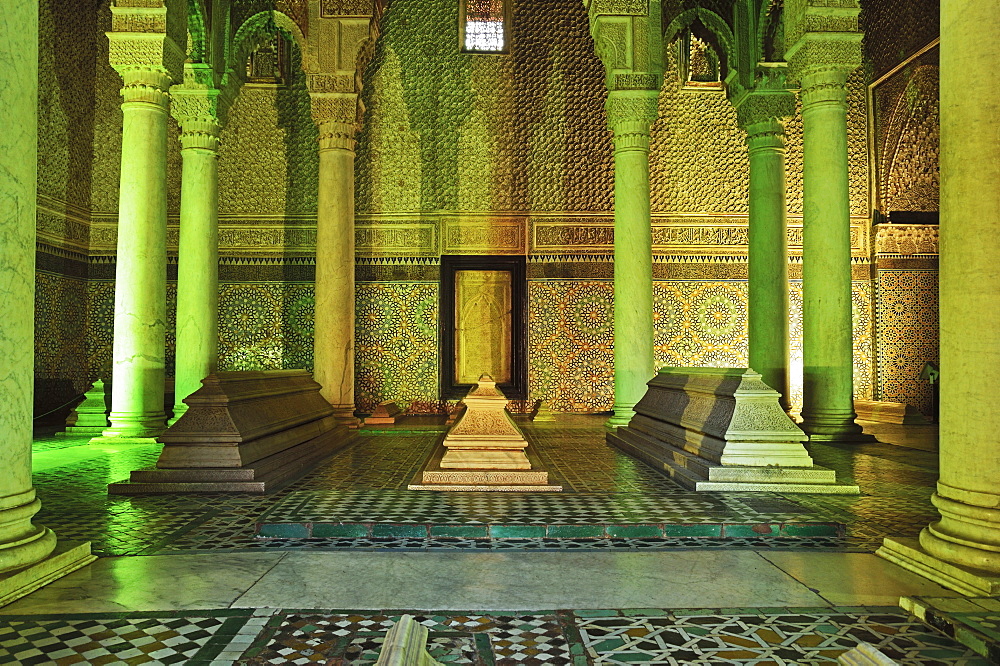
(201, 113)
(334, 135)
(630, 115)
(755, 107)
(147, 35)
(822, 35)
(145, 86)
(630, 48)
(336, 107)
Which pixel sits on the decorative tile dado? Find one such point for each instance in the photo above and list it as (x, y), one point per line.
(906, 305)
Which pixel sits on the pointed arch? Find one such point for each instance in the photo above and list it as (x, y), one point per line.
(720, 35)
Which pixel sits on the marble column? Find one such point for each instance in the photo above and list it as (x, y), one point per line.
(141, 271)
(630, 115)
(333, 345)
(197, 260)
(29, 557)
(827, 336)
(962, 549)
(768, 253)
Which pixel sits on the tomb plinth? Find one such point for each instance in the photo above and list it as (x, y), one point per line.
(243, 432)
(484, 450)
(90, 417)
(722, 429)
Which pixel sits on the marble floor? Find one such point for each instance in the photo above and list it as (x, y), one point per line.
(623, 567)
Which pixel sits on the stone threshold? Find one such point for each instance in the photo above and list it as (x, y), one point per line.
(319, 529)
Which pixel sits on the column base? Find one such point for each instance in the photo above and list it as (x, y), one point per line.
(112, 440)
(841, 428)
(136, 425)
(344, 414)
(909, 554)
(67, 557)
(621, 418)
(179, 409)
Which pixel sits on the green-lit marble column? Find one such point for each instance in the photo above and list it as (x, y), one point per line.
(141, 271)
(962, 549)
(768, 231)
(630, 115)
(333, 346)
(197, 260)
(827, 338)
(28, 553)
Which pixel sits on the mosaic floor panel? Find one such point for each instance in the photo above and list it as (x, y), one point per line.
(140, 638)
(357, 499)
(341, 637)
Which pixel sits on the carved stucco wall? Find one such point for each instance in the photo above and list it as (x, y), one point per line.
(267, 158)
(451, 131)
(896, 29)
(67, 62)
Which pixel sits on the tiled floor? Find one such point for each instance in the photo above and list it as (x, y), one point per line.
(358, 500)
(208, 590)
(680, 636)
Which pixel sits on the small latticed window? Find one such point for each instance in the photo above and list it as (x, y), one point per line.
(268, 65)
(484, 26)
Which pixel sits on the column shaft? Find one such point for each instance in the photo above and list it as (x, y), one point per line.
(827, 337)
(197, 261)
(333, 347)
(968, 496)
(768, 256)
(634, 363)
(141, 272)
(21, 542)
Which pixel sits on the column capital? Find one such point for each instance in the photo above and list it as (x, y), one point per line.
(145, 51)
(763, 107)
(336, 135)
(200, 111)
(629, 107)
(145, 86)
(822, 35)
(336, 107)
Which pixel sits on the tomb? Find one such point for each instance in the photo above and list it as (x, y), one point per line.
(243, 432)
(484, 450)
(888, 412)
(722, 429)
(90, 417)
(385, 413)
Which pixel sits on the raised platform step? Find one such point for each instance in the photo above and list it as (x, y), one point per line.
(321, 529)
(263, 476)
(699, 474)
(974, 622)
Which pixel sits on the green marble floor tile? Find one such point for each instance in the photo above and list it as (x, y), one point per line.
(634, 531)
(575, 531)
(398, 530)
(517, 531)
(340, 530)
(462, 531)
(706, 530)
